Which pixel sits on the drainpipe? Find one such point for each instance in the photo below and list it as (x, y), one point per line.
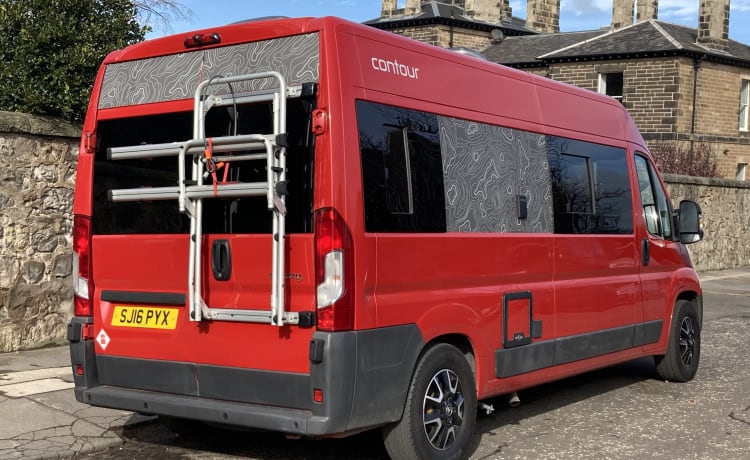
(696, 68)
(450, 40)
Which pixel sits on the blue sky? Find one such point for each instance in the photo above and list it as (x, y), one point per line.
(575, 14)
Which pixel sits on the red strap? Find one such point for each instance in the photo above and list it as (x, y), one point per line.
(208, 154)
(213, 167)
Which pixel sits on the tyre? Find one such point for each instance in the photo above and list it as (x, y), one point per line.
(680, 363)
(440, 412)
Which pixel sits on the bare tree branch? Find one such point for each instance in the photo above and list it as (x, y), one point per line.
(161, 13)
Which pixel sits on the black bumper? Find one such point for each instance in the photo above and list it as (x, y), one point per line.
(364, 376)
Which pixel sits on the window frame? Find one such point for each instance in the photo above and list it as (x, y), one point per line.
(603, 85)
(741, 174)
(664, 217)
(744, 110)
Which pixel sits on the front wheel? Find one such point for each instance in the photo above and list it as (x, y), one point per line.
(440, 413)
(680, 363)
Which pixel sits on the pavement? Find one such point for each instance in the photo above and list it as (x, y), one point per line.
(40, 418)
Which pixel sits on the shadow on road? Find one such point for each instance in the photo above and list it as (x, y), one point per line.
(154, 441)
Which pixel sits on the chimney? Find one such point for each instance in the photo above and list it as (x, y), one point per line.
(485, 10)
(713, 24)
(506, 12)
(622, 13)
(412, 7)
(388, 9)
(647, 9)
(543, 15)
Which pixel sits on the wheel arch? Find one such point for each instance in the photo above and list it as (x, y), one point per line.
(685, 286)
(460, 326)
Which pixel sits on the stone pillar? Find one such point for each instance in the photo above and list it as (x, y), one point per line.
(484, 10)
(622, 13)
(647, 9)
(388, 9)
(506, 12)
(543, 15)
(412, 7)
(713, 24)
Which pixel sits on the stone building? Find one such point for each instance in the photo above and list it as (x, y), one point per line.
(682, 85)
(469, 24)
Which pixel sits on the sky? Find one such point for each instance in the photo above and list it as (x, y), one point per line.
(575, 14)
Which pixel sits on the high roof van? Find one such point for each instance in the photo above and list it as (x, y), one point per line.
(318, 228)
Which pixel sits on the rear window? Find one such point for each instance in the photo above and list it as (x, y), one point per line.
(236, 215)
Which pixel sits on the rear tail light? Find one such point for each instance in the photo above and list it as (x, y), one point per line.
(334, 271)
(83, 286)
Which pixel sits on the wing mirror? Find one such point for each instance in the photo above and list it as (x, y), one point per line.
(690, 222)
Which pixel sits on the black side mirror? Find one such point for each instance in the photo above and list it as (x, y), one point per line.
(691, 222)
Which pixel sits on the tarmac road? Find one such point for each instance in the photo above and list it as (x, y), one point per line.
(620, 412)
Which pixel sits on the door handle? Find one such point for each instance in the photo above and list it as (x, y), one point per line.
(221, 260)
(645, 252)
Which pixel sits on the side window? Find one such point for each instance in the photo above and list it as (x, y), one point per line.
(402, 169)
(657, 210)
(590, 187)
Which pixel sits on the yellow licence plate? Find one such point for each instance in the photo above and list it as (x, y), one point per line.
(147, 317)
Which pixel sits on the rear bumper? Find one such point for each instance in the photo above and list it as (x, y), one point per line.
(293, 421)
(364, 377)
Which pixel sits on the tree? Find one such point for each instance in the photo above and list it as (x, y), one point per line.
(688, 160)
(50, 50)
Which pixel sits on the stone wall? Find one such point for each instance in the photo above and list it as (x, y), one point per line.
(726, 219)
(37, 172)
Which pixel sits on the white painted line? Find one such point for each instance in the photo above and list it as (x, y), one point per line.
(19, 390)
(10, 378)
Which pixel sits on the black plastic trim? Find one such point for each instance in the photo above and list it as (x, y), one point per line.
(286, 420)
(519, 360)
(156, 298)
(365, 375)
(521, 295)
(213, 382)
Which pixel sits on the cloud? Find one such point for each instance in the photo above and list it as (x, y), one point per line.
(679, 10)
(586, 7)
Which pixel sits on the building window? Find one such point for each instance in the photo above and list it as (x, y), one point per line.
(744, 95)
(611, 84)
(741, 171)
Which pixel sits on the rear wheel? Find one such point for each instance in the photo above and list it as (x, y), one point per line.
(680, 363)
(440, 412)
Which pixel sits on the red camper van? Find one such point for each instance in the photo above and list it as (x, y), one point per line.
(315, 227)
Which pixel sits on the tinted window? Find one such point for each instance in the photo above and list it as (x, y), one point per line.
(241, 215)
(590, 187)
(402, 169)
